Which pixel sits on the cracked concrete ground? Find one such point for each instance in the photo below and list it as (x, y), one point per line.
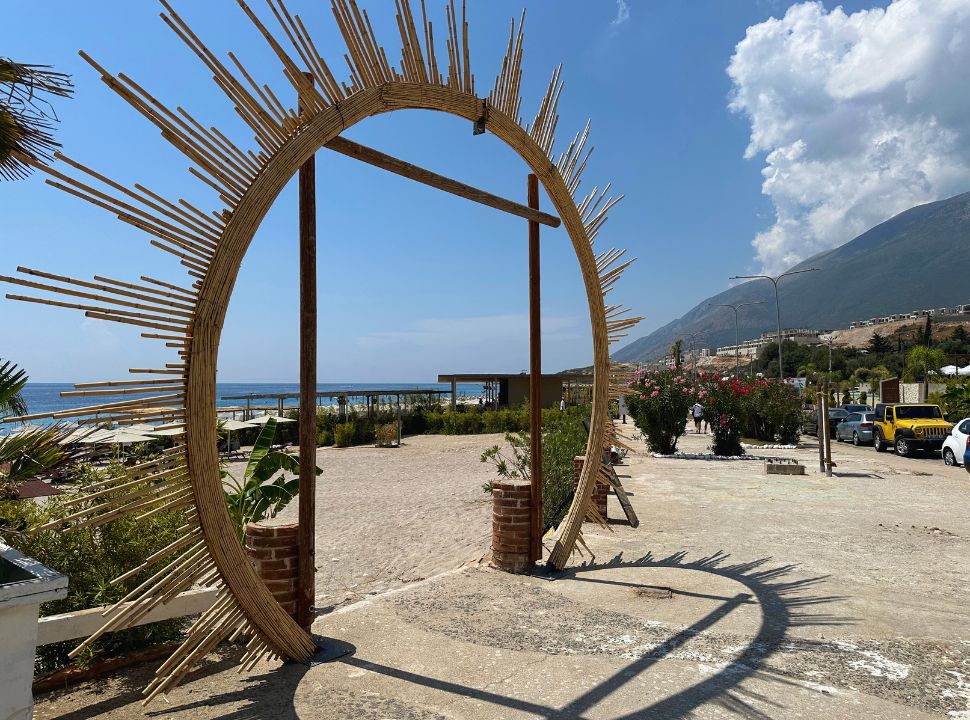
(790, 597)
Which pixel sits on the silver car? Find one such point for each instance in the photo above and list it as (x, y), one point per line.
(856, 428)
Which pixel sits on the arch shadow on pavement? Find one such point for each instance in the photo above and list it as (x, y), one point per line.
(785, 602)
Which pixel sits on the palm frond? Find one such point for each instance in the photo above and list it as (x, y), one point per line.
(27, 118)
(35, 453)
(12, 382)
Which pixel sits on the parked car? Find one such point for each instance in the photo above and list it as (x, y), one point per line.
(857, 428)
(854, 408)
(810, 421)
(909, 427)
(955, 443)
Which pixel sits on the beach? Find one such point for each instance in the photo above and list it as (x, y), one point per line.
(740, 595)
(390, 516)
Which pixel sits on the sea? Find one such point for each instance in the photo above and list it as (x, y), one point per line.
(46, 397)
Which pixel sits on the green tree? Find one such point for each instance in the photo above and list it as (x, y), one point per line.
(956, 401)
(677, 350)
(960, 336)
(920, 360)
(807, 371)
(26, 116)
(924, 335)
(876, 375)
(878, 345)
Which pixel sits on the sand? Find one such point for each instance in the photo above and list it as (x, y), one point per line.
(390, 516)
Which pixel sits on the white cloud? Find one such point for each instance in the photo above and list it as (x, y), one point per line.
(859, 117)
(622, 12)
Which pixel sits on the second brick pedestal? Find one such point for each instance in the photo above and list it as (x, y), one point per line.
(511, 504)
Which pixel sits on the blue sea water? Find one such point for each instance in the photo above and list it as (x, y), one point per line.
(45, 397)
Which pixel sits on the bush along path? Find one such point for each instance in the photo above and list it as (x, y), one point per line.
(733, 408)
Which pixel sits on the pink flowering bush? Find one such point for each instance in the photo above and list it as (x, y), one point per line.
(658, 403)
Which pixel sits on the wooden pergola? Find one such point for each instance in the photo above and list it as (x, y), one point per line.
(209, 245)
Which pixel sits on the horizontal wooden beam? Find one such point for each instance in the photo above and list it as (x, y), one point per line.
(405, 169)
(82, 623)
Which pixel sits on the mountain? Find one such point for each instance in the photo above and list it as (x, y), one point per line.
(917, 259)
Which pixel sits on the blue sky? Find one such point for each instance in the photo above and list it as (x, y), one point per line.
(414, 282)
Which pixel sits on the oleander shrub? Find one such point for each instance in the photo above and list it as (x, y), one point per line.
(658, 403)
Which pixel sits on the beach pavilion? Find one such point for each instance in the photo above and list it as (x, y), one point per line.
(511, 389)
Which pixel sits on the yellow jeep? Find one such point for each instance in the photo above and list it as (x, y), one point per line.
(909, 427)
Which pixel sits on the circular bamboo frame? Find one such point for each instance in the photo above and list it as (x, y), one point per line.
(257, 604)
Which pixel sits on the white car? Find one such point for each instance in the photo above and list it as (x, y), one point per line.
(956, 443)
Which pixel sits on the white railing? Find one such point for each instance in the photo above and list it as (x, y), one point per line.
(82, 623)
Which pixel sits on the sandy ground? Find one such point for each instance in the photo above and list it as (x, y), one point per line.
(789, 597)
(390, 516)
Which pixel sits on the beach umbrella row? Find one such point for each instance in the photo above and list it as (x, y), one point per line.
(141, 432)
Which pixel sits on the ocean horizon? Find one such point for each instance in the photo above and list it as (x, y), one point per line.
(45, 397)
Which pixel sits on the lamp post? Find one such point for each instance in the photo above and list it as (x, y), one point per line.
(774, 281)
(690, 346)
(737, 330)
(827, 339)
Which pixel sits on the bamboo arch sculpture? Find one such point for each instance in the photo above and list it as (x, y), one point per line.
(211, 247)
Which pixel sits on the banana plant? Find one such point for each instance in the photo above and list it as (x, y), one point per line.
(263, 491)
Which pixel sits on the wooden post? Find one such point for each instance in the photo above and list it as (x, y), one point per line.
(819, 433)
(535, 376)
(454, 393)
(828, 440)
(306, 590)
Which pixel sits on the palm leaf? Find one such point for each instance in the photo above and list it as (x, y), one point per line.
(263, 444)
(26, 117)
(36, 453)
(12, 382)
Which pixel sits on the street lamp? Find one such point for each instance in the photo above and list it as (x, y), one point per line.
(737, 330)
(774, 281)
(690, 345)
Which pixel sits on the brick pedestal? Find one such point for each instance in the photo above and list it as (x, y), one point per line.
(511, 503)
(273, 550)
(599, 492)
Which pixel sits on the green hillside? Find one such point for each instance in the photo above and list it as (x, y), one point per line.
(917, 259)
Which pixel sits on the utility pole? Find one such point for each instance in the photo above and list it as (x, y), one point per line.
(737, 330)
(774, 281)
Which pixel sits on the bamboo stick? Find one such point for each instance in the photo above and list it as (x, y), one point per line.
(166, 311)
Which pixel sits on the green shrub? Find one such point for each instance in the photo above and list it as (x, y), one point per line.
(91, 558)
(563, 438)
(324, 438)
(386, 435)
(343, 435)
(658, 404)
(723, 410)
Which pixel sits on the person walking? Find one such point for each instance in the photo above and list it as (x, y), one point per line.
(562, 404)
(621, 407)
(697, 412)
